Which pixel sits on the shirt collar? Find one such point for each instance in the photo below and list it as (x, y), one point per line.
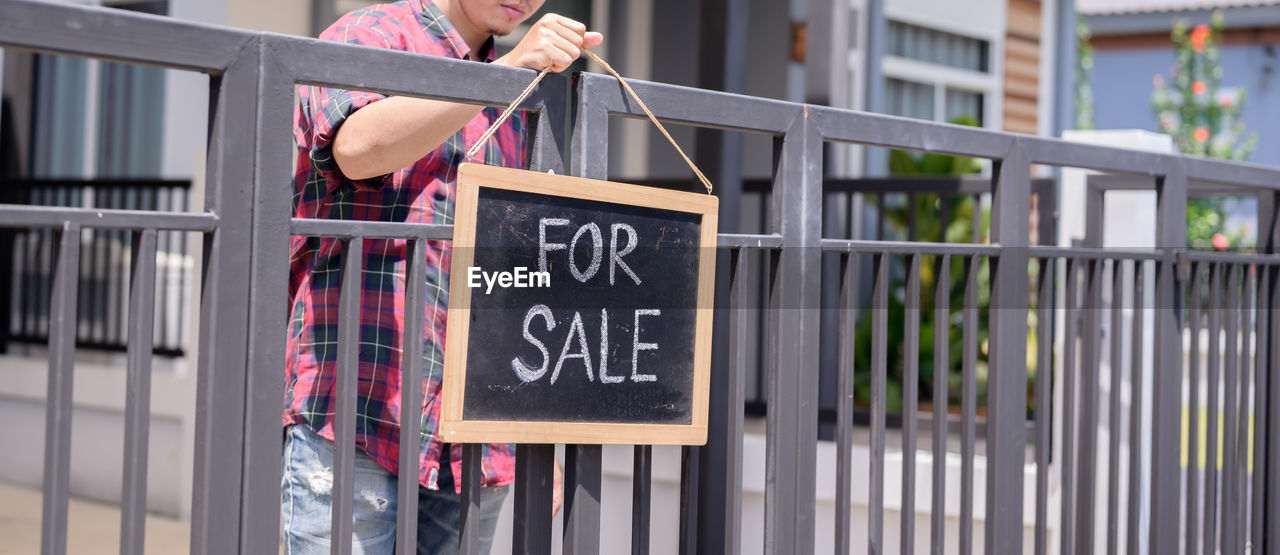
(440, 28)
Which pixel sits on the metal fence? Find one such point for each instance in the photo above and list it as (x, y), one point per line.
(105, 259)
(247, 225)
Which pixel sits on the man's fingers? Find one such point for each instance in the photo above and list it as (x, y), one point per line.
(565, 53)
(566, 33)
(573, 25)
(592, 39)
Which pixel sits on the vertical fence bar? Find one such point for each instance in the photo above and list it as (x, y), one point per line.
(469, 507)
(910, 397)
(411, 399)
(268, 299)
(690, 460)
(641, 493)
(532, 534)
(1069, 368)
(582, 499)
(1043, 414)
(944, 216)
(1133, 533)
(163, 201)
(968, 400)
(1114, 365)
(792, 418)
(137, 411)
(976, 235)
(941, 340)
(1193, 427)
(224, 308)
(913, 231)
(589, 158)
(1240, 470)
(1267, 451)
(880, 211)
(1257, 534)
(739, 341)
(1271, 468)
(62, 346)
(101, 313)
(1166, 415)
(1230, 371)
(1212, 452)
(879, 375)
(1007, 389)
(344, 411)
(84, 314)
(1090, 357)
(844, 405)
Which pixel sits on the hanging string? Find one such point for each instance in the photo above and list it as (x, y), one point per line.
(506, 114)
(524, 94)
(705, 182)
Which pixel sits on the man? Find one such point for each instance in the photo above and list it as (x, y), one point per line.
(364, 156)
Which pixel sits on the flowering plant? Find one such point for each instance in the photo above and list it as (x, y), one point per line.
(1203, 121)
(1189, 106)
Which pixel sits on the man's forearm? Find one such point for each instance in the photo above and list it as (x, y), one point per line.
(395, 132)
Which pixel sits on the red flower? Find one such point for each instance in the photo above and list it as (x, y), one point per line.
(1225, 102)
(1201, 134)
(1198, 37)
(1198, 87)
(1220, 242)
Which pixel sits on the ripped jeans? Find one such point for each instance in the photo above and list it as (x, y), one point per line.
(306, 497)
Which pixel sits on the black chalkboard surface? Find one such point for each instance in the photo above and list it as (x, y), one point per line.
(579, 311)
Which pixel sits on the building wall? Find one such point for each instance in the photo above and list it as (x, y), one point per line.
(1022, 66)
(1122, 85)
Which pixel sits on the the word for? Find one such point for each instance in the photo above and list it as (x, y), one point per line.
(575, 346)
(597, 249)
(519, 277)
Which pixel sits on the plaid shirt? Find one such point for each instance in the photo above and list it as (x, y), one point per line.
(421, 193)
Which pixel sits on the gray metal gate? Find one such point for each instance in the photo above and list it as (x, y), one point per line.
(247, 226)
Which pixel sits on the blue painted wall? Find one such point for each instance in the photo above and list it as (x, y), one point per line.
(1122, 85)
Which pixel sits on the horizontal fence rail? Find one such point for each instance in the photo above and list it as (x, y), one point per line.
(1046, 348)
(102, 321)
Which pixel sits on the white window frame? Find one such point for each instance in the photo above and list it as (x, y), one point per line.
(943, 77)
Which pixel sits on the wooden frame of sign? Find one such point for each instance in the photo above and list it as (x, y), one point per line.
(689, 429)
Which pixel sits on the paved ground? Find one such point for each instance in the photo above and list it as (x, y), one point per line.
(92, 527)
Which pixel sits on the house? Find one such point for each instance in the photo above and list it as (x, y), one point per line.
(1131, 42)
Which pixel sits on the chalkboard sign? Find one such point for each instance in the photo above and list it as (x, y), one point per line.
(579, 311)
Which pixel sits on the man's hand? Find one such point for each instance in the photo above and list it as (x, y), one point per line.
(394, 132)
(557, 491)
(555, 41)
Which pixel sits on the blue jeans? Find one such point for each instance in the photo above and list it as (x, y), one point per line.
(306, 498)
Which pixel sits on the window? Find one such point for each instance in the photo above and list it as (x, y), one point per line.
(98, 118)
(937, 75)
(937, 47)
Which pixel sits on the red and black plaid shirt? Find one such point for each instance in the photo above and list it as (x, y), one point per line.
(420, 193)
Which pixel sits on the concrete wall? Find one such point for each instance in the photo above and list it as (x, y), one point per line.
(97, 428)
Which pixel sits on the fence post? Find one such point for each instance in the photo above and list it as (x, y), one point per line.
(1267, 453)
(793, 355)
(1007, 386)
(268, 304)
(1171, 238)
(223, 350)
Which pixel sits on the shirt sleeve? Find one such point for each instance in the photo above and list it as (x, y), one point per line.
(327, 108)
